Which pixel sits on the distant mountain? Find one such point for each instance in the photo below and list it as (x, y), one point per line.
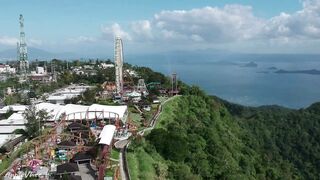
(34, 53)
(272, 68)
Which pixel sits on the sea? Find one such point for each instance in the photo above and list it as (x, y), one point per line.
(247, 79)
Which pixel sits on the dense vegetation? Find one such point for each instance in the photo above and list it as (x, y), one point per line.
(202, 137)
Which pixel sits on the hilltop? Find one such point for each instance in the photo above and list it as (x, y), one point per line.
(204, 137)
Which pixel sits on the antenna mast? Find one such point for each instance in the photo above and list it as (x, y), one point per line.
(22, 49)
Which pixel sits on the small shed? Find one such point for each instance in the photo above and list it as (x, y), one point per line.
(67, 168)
(67, 144)
(75, 126)
(81, 157)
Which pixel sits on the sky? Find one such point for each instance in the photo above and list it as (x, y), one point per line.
(89, 27)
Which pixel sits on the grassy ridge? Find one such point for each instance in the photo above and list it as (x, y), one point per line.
(168, 112)
(203, 137)
(141, 164)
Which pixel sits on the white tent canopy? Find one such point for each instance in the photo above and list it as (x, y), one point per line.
(73, 108)
(10, 129)
(107, 134)
(15, 108)
(120, 110)
(51, 109)
(74, 111)
(14, 119)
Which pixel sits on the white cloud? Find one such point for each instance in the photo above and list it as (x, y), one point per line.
(12, 41)
(212, 24)
(197, 38)
(232, 26)
(34, 42)
(303, 24)
(82, 39)
(142, 29)
(8, 41)
(115, 30)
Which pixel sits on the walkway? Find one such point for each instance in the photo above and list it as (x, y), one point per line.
(86, 172)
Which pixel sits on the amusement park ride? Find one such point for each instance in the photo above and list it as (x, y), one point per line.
(103, 129)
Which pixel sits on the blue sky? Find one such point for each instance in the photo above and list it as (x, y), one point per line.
(235, 25)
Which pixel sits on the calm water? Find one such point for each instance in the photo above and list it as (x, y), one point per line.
(227, 78)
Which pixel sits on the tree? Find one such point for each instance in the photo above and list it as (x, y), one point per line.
(161, 170)
(12, 99)
(89, 96)
(67, 77)
(36, 119)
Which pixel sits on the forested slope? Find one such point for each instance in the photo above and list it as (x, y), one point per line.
(202, 137)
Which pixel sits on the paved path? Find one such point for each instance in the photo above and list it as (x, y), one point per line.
(121, 144)
(123, 165)
(86, 172)
(156, 116)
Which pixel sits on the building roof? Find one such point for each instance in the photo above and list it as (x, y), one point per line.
(67, 93)
(76, 125)
(84, 134)
(13, 142)
(80, 156)
(67, 168)
(16, 108)
(120, 110)
(14, 119)
(134, 94)
(107, 134)
(7, 137)
(52, 109)
(17, 116)
(9, 129)
(61, 97)
(67, 143)
(75, 111)
(74, 177)
(80, 111)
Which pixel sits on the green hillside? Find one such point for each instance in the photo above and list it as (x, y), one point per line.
(202, 137)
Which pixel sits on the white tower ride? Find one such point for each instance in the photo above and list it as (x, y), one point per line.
(141, 87)
(118, 58)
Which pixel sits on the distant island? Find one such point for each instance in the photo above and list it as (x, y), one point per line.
(310, 71)
(272, 68)
(263, 72)
(250, 64)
